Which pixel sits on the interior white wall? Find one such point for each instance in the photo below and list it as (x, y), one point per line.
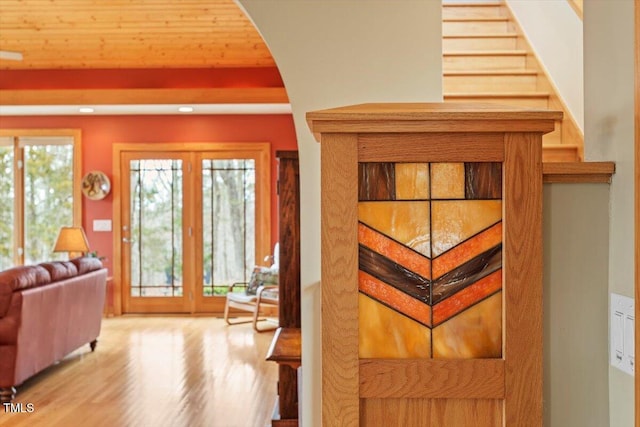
(336, 53)
(609, 135)
(558, 43)
(576, 360)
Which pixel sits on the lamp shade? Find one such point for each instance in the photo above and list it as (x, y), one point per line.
(71, 239)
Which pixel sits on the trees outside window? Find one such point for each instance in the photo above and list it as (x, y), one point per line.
(37, 196)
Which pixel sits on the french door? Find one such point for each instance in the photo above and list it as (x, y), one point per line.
(193, 219)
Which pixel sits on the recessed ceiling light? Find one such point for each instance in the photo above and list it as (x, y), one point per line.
(185, 109)
(13, 56)
(86, 110)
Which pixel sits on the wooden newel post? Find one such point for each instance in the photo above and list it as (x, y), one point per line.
(431, 264)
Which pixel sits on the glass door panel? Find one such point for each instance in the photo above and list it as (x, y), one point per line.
(228, 223)
(153, 234)
(156, 228)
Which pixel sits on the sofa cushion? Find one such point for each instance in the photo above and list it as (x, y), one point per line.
(19, 278)
(60, 270)
(86, 264)
(42, 275)
(24, 277)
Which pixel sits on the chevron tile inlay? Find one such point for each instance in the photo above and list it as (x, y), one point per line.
(430, 260)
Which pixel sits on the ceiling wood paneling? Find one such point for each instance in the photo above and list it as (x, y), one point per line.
(86, 34)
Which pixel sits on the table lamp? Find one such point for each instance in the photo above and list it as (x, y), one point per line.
(72, 240)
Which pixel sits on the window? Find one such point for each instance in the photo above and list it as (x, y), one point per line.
(37, 194)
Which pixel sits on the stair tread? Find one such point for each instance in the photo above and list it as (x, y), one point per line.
(467, 4)
(496, 18)
(479, 65)
(562, 145)
(480, 36)
(485, 52)
(491, 73)
(497, 94)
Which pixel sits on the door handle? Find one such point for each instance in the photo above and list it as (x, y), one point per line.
(126, 240)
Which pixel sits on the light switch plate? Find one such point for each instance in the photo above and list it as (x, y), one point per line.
(622, 332)
(101, 225)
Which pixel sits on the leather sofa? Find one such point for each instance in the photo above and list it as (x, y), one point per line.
(47, 311)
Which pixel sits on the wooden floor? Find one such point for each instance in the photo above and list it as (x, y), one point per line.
(156, 371)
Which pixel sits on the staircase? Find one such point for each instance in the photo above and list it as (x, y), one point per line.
(486, 59)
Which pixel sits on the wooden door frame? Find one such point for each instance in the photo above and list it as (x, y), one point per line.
(637, 197)
(263, 204)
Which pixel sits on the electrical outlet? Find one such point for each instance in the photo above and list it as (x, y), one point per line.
(622, 333)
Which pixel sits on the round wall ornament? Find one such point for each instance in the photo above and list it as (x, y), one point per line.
(96, 185)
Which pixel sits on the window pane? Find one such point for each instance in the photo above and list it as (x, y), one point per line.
(48, 198)
(156, 228)
(228, 214)
(7, 196)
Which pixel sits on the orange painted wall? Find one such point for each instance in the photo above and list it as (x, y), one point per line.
(100, 132)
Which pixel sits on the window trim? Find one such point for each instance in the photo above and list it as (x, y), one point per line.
(76, 135)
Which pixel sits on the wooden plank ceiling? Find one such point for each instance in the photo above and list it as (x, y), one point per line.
(86, 34)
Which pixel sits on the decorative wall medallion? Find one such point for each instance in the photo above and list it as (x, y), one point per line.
(96, 185)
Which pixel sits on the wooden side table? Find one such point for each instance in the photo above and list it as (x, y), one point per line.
(285, 350)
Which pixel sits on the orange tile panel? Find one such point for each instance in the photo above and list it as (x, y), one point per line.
(412, 181)
(467, 297)
(385, 333)
(407, 222)
(447, 181)
(474, 333)
(394, 298)
(395, 251)
(468, 249)
(454, 221)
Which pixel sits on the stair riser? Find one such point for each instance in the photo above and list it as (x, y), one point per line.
(449, 12)
(499, 84)
(475, 27)
(518, 102)
(554, 137)
(484, 43)
(461, 63)
(568, 154)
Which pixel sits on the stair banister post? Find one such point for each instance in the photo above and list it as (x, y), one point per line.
(431, 264)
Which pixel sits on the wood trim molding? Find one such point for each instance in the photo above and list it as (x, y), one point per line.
(339, 222)
(578, 172)
(523, 330)
(477, 147)
(276, 95)
(464, 378)
(637, 198)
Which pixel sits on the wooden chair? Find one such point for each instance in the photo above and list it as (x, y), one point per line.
(261, 293)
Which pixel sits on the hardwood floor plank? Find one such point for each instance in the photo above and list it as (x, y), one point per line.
(156, 371)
